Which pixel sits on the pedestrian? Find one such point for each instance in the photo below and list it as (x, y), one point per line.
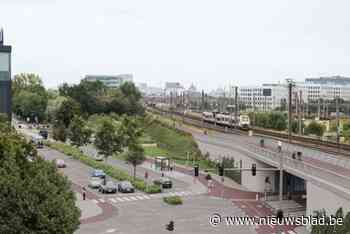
(279, 143)
(84, 193)
(146, 175)
(162, 174)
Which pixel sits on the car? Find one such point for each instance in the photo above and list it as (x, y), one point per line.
(60, 163)
(109, 187)
(164, 182)
(44, 134)
(98, 157)
(125, 187)
(98, 173)
(95, 182)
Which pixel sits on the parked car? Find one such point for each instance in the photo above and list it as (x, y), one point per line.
(60, 163)
(126, 187)
(164, 182)
(98, 173)
(44, 134)
(95, 182)
(109, 187)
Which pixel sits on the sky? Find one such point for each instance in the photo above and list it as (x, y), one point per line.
(210, 43)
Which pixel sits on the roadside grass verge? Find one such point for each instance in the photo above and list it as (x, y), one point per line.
(108, 169)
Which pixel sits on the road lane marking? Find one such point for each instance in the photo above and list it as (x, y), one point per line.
(126, 199)
(101, 200)
(119, 199)
(291, 232)
(146, 197)
(133, 198)
(140, 197)
(94, 201)
(113, 200)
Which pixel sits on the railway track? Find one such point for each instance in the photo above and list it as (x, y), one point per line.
(325, 146)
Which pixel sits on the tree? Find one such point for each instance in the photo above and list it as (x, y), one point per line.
(108, 139)
(35, 198)
(135, 156)
(79, 133)
(336, 229)
(59, 132)
(65, 113)
(315, 128)
(131, 130)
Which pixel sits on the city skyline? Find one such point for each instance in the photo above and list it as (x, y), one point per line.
(200, 42)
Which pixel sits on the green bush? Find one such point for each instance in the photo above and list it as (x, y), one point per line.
(153, 189)
(173, 200)
(109, 170)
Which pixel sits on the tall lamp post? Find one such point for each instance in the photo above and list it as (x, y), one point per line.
(291, 84)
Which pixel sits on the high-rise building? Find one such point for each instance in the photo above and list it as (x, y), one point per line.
(111, 81)
(5, 76)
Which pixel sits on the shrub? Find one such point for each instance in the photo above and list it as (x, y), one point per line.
(153, 189)
(173, 200)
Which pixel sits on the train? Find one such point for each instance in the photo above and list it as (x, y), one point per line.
(227, 120)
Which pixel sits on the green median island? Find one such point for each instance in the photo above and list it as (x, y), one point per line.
(113, 172)
(173, 200)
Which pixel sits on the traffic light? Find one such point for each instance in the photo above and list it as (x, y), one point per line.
(279, 216)
(221, 170)
(196, 170)
(253, 169)
(170, 226)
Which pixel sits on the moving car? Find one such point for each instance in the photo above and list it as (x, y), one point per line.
(164, 182)
(37, 140)
(98, 173)
(98, 157)
(125, 187)
(95, 182)
(109, 187)
(60, 163)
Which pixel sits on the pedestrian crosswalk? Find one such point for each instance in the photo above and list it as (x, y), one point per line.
(287, 232)
(140, 197)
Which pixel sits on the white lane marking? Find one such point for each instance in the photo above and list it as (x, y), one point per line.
(126, 199)
(133, 198)
(111, 230)
(101, 200)
(113, 200)
(146, 197)
(140, 197)
(94, 201)
(119, 199)
(291, 232)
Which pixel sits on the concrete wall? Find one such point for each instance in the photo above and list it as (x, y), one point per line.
(319, 198)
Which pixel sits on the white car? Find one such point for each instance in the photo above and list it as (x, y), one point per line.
(98, 157)
(60, 163)
(95, 182)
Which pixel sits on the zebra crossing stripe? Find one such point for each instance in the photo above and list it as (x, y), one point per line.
(113, 200)
(101, 200)
(94, 201)
(140, 197)
(146, 197)
(126, 199)
(119, 199)
(133, 198)
(291, 232)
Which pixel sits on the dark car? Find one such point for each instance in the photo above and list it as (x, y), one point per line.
(109, 187)
(125, 187)
(164, 182)
(44, 134)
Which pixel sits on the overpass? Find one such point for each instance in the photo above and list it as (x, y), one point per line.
(326, 176)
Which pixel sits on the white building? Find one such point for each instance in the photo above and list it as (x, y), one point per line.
(265, 98)
(112, 81)
(173, 88)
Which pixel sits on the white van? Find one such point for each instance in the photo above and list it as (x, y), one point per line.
(37, 140)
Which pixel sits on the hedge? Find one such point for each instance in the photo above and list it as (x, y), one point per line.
(173, 200)
(109, 170)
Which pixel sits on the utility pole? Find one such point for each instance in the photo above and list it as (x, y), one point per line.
(338, 124)
(236, 106)
(299, 113)
(254, 108)
(319, 108)
(290, 90)
(281, 177)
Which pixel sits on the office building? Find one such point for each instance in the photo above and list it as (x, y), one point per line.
(111, 81)
(5, 76)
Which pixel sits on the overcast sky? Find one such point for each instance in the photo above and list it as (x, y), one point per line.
(211, 43)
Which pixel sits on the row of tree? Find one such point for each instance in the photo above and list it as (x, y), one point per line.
(35, 197)
(32, 101)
